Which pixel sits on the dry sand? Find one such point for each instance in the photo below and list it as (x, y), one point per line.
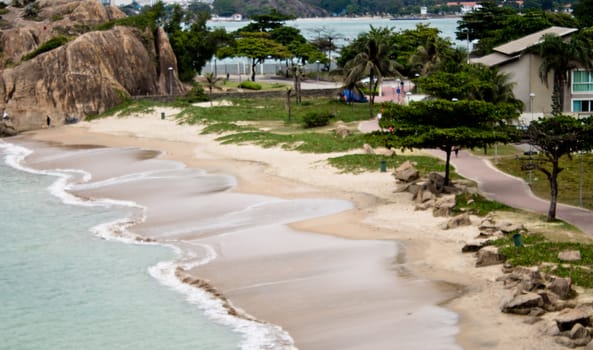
(379, 217)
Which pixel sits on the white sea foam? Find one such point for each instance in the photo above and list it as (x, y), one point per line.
(255, 335)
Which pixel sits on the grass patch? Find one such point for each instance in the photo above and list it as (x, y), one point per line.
(127, 108)
(274, 109)
(220, 128)
(568, 179)
(310, 142)
(358, 163)
(49, 45)
(478, 205)
(539, 251)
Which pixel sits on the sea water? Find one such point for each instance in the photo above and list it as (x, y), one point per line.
(64, 286)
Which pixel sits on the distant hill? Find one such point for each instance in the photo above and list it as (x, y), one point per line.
(297, 8)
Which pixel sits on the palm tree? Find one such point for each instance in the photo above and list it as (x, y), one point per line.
(211, 81)
(561, 57)
(373, 61)
(430, 55)
(492, 85)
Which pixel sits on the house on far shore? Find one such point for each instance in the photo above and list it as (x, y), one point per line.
(516, 59)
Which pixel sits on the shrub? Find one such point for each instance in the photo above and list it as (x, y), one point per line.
(49, 45)
(315, 119)
(250, 85)
(196, 94)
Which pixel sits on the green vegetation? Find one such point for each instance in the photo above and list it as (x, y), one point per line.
(126, 108)
(271, 113)
(250, 85)
(568, 179)
(316, 119)
(539, 251)
(358, 163)
(478, 205)
(49, 45)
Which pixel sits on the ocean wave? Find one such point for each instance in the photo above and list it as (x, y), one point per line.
(256, 335)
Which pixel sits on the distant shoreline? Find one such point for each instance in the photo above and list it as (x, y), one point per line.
(341, 18)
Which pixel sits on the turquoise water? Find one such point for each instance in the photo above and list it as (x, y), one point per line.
(63, 287)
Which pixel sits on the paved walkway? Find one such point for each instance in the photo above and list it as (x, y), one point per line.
(505, 188)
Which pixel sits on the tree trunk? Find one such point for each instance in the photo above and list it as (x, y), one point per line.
(447, 163)
(253, 68)
(371, 95)
(553, 178)
(288, 92)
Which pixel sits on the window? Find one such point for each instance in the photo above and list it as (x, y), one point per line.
(582, 106)
(582, 81)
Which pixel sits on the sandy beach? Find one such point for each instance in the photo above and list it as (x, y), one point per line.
(339, 261)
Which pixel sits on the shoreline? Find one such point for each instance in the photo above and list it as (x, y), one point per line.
(435, 256)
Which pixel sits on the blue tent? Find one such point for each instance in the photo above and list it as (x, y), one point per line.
(353, 95)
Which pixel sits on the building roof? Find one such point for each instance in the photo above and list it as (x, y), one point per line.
(494, 59)
(513, 49)
(517, 46)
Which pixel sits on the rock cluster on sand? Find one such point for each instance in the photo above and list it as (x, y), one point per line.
(89, 74)
(541, 298)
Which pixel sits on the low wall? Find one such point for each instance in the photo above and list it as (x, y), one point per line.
(248, 94)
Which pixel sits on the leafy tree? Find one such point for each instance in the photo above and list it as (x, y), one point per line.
(481, 23)
(195, 45)
(473, 82)
(493, 25)
(373, 61)
(257, 47)
(554, 138)
(429, 56)
(583, 11)
(445, 124)
(561, 57)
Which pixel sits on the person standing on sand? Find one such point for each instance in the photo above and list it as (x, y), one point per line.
(48, 120)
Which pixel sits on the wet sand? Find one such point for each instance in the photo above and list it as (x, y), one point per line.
(355, 287)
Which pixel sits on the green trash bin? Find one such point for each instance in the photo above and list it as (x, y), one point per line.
(517, 240)
(383, 166)
(162, 115)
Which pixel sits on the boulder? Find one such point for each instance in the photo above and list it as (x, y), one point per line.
(578, 332)
(342, 131)
(572, 343)
(561, 287)
(569, 255)
(7, 128)
(508, 227)
(368, 149)
(522, 304)
(406, 172)
(458, 221)
(91, 73)
(489, 256)
(436, 183)
(444, 205)
(474, 246)
(566, 319)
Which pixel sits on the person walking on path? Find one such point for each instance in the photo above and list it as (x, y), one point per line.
(48, 120)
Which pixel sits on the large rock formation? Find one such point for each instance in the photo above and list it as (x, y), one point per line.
(88, 75)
